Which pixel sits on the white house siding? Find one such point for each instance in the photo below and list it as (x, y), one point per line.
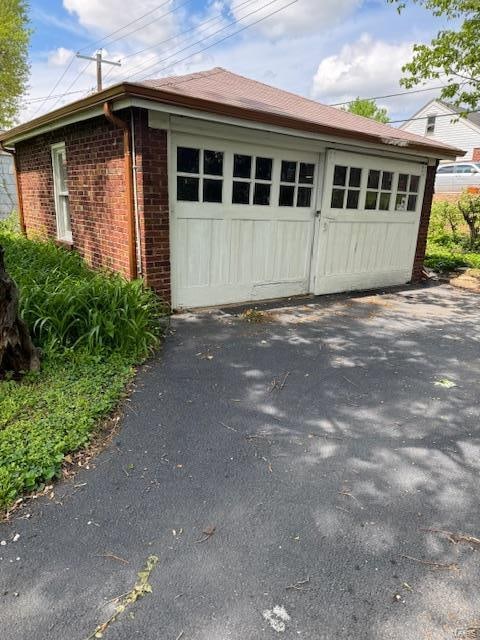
(449, 128)
(8, 197)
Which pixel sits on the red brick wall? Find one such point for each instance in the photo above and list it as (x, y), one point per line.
(152, 195)
(476, 154)
(96, 185)
(424, 222)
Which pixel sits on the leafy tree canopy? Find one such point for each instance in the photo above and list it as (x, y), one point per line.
(453, 56)
(368, 109)
(14, 67)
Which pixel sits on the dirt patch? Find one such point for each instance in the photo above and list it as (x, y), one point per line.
(469, 279)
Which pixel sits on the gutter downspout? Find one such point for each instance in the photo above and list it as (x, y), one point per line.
(21, 218)
(138, 245)
(127, 150)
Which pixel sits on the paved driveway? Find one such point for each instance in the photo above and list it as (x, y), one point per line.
(318, 445)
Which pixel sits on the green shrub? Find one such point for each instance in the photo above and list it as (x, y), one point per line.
(69, 306)
(439, 258)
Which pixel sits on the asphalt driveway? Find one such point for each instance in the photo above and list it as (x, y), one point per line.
(283, 473)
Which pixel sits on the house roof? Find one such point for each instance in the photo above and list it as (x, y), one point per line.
(219, 91)
(472, 117)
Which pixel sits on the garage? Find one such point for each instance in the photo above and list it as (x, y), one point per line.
(252, 222)
(213, 188)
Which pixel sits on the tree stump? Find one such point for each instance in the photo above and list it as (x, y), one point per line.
(17, 351)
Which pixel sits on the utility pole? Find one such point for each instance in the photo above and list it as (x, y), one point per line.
(99, 60)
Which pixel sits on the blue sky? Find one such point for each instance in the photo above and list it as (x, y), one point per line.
(330, 50)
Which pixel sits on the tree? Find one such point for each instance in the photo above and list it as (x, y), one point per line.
(453, 56)
(14, 67)
(17, 352)
(368, 109)
(469, 206)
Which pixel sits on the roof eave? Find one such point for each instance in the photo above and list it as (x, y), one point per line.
(126, 90)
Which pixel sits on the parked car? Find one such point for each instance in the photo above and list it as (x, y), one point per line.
(455, 177)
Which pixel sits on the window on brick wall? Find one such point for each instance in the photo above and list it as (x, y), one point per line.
(60, 187)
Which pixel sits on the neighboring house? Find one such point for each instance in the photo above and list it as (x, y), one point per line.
(238, 191)
(8, 192)
(443, 123)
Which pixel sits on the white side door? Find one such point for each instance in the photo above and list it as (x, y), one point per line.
(367, 231)
(242, 221)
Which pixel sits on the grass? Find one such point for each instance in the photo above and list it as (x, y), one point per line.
(93, 328)
(443, 259)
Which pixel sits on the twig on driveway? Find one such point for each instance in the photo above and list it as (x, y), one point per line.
(297, 586)
(351, 382)
(113, 557)
(208, 533)
(227, 427)
(455, 538)
(452, 566)
(180, 635)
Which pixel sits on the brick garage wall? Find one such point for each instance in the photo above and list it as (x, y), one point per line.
(424, 222)
(96, 185)
(152, 195)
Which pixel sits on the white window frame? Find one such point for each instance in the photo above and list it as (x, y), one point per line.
(252, 180)
(430, 124)
(201, 175)
(62, 211)
(296, 184)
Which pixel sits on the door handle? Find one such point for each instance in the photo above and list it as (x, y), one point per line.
(318, 213)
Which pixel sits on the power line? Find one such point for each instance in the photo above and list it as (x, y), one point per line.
(52, 97)
(164, 15)
(74, 81)
(56, 85)
(389, 95)
(437, 115)
(92, 44)
(178, 35)
(141, 70)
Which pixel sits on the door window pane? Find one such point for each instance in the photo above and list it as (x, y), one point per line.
(287, 194)
(188, 160)
(338, 196)
(402, 181)
(213, 163)
(412, 203)
(289, 171)
(242, 166)
(371, 200)
(384, 204)
(373, 179)
(306, 174)
(387, 178)
(401, 202)
(261, 194)
(352, 199)
(355, 177)
(212, 190)
(187, 189)
(304, 197)
(339, 175)
(414, 183)
(263, 169)
(241, 193)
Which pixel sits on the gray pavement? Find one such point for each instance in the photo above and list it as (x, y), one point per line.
(317, 444)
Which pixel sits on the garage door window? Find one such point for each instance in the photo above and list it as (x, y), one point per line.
(296, 179)
(379, 190)
(346, 187)
(252, 180)
(199, 171)
(407, 192)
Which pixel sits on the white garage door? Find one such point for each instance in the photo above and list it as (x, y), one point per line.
(367, 233)
(242, 221)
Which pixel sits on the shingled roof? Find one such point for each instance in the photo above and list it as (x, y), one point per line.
(219, 91)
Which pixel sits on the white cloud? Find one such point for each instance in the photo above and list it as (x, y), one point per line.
(296, 19)
(60, 57)
(364, 68)
(105, 17)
